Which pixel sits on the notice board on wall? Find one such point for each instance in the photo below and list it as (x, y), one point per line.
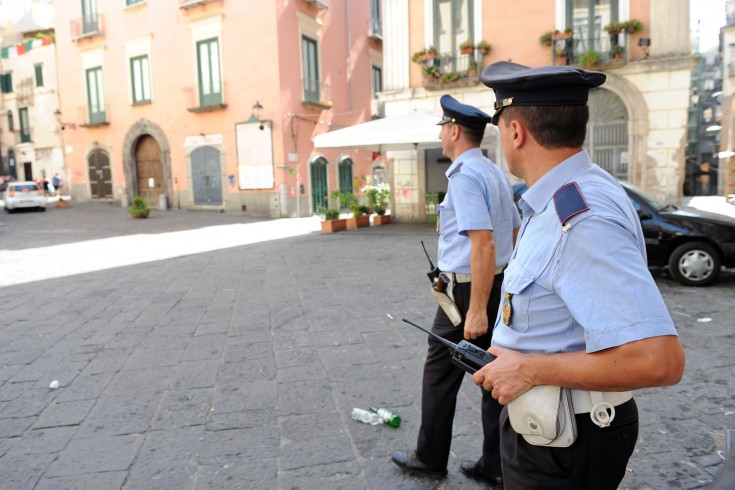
(254, 155)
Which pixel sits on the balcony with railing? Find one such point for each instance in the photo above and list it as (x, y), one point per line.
(588, 52)
(456, 68)
(94, 115)
(206, 98)
(20, 137)
(376, 28)
(320, 4)
(189, 4)
(88, 26)
(317, 93)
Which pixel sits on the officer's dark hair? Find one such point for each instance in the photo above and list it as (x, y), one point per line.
(473, 135)
(563, 126)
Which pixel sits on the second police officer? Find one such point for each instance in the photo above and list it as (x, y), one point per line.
(478, 222)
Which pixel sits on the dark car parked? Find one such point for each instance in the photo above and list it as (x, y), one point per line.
(694, 245)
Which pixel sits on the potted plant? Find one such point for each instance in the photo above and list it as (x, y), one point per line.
(331, 222)
(472, 70)
(360, 215)
(632, 26)
(545, 38)
(449, 77)
(424, 55)
(483, 47)
(379, 197)
(588, 59)
(567, 34)
(431, 74)
(467, 47)
(561, 56)
(616, 52)
(139, 208)
(614, 28)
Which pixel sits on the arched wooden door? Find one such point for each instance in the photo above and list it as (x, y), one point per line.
(149, 170)
(100, 175)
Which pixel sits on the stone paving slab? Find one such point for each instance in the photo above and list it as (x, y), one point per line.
(238, 368)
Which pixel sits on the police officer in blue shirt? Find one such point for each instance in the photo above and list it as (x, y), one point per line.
(478, 221)
(580, 309)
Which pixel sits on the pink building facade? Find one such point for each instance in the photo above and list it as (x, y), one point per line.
(638, 119)
(213, 104)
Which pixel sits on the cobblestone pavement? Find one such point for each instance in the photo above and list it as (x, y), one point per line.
(238, 368)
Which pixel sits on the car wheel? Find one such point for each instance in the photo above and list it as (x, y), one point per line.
(42, 208)
(694, 264)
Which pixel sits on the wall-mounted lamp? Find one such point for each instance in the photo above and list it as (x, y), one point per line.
(57, 115)
(257, 114)
(257, 110)
(645, 44)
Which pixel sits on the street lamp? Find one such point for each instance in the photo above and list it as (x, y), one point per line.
(57, 115)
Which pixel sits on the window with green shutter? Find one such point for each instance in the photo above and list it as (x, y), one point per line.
(310, 65)
(210, 81)
(95, 96)
(38, 68)
(6, 83)
(11, 123)
(140, 79)
(25, 127)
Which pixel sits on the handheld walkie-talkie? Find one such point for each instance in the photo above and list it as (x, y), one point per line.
(434, 274)
(465, 355)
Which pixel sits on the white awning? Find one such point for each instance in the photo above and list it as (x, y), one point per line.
(402, 132)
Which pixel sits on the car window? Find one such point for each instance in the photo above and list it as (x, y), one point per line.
(25, 187)
(649, 200)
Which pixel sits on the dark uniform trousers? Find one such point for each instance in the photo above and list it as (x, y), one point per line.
(442, 381)
(597, 459)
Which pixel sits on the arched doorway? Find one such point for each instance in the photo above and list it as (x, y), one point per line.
(100, 175)
(149, 170)
(344, 168)
(206, 176)
(319, 185)
(607, 133)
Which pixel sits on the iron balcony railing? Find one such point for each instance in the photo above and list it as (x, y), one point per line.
(577, 50)
(201, 98)
(317, 92)
(87, 26)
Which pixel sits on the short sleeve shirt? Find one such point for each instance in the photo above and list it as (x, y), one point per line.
(584, 286)
(479, 197)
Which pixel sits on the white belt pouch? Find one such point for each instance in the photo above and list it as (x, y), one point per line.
(448, 306)
(544, 416)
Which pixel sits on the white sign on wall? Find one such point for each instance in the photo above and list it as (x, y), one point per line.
(254, 156)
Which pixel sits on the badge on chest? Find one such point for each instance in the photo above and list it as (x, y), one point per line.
(507, 308)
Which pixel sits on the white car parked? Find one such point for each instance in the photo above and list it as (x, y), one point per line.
(23, 195)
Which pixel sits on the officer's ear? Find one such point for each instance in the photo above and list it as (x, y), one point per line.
(456, 131)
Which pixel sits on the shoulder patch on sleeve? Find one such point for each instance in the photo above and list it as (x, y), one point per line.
(569, 202)
(455, 171)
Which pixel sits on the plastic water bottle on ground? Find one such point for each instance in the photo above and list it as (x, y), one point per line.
(366, 416)
(387, 417)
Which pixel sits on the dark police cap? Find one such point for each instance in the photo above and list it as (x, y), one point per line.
(462, 114)
(517, 85)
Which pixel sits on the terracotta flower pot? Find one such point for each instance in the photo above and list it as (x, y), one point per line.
(379, 219)
(140, 214)
(333, 225)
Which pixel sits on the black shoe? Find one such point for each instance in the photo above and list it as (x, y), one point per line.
(477, 472)
(408, 461)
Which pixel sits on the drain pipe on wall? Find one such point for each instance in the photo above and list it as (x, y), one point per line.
(349, 52)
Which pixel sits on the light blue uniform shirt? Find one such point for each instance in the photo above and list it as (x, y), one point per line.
(479, 197)
(588, 288)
